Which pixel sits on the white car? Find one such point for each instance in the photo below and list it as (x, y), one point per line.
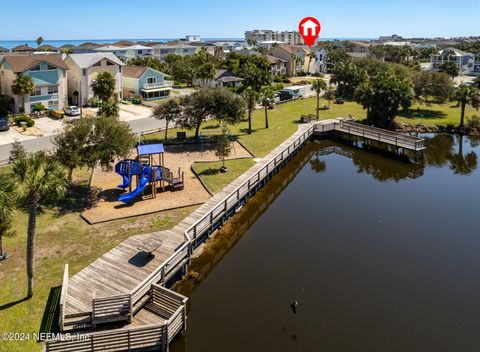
(72, 111)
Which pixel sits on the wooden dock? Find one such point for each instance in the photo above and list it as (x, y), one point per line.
(350, 127)
(120, 286)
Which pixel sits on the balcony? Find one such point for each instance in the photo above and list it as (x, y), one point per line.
(164, 84)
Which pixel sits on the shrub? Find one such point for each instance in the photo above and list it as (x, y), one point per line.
(317, 74)
(39, 107)
(301, 73)
(278, 86)
(94, 102)
(277, 79)
(303, 82)
(285, 80)
(24, 118)
(474, 122)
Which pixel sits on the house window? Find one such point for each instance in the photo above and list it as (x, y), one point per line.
(51, 67)
(52, 103)
(53, 90)
(110, 63)
(35, 68)
(36, 92)
(97, 64)
(151, 80)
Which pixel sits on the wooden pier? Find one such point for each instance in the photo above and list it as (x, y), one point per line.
(126, 285)
(391, 138)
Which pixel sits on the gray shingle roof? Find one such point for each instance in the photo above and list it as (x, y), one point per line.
(88, 60)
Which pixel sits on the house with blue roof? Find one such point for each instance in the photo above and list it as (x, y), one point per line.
(49, 74)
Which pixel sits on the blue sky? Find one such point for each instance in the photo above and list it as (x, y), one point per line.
(107, 19)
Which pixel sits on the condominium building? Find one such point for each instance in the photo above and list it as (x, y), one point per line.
(287, 37)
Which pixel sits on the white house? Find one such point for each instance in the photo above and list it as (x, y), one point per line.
(136, 50)
(463, 60)
(320, 62)
(182, 49)
(83, 70)
(222, 78)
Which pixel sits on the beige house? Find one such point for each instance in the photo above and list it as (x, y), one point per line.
(48, 73)
(83, 70)
(297, 58)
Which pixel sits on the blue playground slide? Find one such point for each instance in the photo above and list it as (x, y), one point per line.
(144, 181)
(122, 168)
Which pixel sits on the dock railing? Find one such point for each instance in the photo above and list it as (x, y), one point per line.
(63, 297)
(381, 135)
(152, 336)
(208, 220)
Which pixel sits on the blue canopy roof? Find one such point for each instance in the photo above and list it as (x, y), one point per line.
(147, 149)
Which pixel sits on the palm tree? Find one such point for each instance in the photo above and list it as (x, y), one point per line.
(466, 95)
(39, 41)
(171, 111)
(8, 201)
(104, 86)
(266, 99)
(40, 179)
(251, 97)
(22, 86)
(318, 85)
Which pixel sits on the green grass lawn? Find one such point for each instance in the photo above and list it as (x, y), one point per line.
(214, 179)
(62, 237)
(284, 121)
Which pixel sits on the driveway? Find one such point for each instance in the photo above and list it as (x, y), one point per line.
(33, 144)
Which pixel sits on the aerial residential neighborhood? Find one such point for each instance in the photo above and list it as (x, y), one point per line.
(215, 176)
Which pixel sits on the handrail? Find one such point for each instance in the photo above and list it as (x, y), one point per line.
(63, 296)
(236, 191)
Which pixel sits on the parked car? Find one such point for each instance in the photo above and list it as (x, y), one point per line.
(339, 101)
(4, 124)
(72, 111)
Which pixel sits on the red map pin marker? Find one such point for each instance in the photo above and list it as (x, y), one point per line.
(309, 29)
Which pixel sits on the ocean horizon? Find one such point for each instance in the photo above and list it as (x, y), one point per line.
(10, 44)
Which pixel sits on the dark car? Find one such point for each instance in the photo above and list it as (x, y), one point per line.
(4, 124)
(285, 95)
(339, 101)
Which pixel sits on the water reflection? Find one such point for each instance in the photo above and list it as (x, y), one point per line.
(393, 285)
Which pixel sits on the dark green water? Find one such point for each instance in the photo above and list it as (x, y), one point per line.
(380, 255)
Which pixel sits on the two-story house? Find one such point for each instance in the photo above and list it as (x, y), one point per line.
(49, 74)
(278, 66)
(463, 60)
(321, 58)
(476, 65)
(83, 70)
(146, 82)
(162, 50)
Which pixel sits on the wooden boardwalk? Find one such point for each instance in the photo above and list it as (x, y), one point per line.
(118, 286)
(126, 270)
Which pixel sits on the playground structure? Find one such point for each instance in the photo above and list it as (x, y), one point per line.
(149, 171)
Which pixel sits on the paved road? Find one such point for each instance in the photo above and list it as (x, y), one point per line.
(45, 143)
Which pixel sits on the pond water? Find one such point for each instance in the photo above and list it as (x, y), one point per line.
(381, 255)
